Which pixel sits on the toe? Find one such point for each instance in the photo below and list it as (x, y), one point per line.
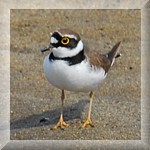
(87, 122)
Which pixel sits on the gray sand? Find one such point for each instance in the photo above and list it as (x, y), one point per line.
(116, 106)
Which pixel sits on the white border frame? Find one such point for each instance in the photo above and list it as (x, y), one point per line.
(5, 6)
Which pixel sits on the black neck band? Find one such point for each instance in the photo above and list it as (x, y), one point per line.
(71, 60)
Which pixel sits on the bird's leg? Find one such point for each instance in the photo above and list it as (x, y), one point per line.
(88, 120)
(61, 122)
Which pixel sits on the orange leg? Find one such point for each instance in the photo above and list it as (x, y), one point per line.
(61, 123)
(88, 120)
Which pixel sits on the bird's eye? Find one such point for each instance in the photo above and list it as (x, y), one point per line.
(65, 40)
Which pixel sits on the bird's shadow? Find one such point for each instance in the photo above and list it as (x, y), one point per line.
(71, 112)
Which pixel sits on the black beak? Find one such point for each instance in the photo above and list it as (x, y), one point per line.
(46, 49)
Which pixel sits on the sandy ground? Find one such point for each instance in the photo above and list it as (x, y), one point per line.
(116, 108)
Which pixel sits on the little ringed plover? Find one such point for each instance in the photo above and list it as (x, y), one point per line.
(72, 67)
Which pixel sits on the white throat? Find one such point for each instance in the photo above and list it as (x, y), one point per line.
(62, 52)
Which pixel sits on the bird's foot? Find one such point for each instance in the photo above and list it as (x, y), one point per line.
(61, 124)
(87, 122)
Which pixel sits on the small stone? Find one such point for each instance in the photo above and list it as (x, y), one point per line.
(44, 120)
(101, 29)
(11, 112)
(130, 68)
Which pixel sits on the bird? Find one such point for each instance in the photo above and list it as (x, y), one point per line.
(71, 66)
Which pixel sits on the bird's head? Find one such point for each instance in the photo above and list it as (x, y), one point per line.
(65, 43)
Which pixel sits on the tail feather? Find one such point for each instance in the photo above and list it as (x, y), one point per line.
(114, 52)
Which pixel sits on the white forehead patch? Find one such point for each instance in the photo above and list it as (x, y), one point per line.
(70, 36)
(54, 40)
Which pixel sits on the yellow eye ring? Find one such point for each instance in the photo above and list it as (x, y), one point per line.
(65, 40)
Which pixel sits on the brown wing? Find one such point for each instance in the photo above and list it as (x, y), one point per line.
(104, 61)
(98, 60)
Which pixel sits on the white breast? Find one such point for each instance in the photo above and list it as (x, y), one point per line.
(79, 77)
